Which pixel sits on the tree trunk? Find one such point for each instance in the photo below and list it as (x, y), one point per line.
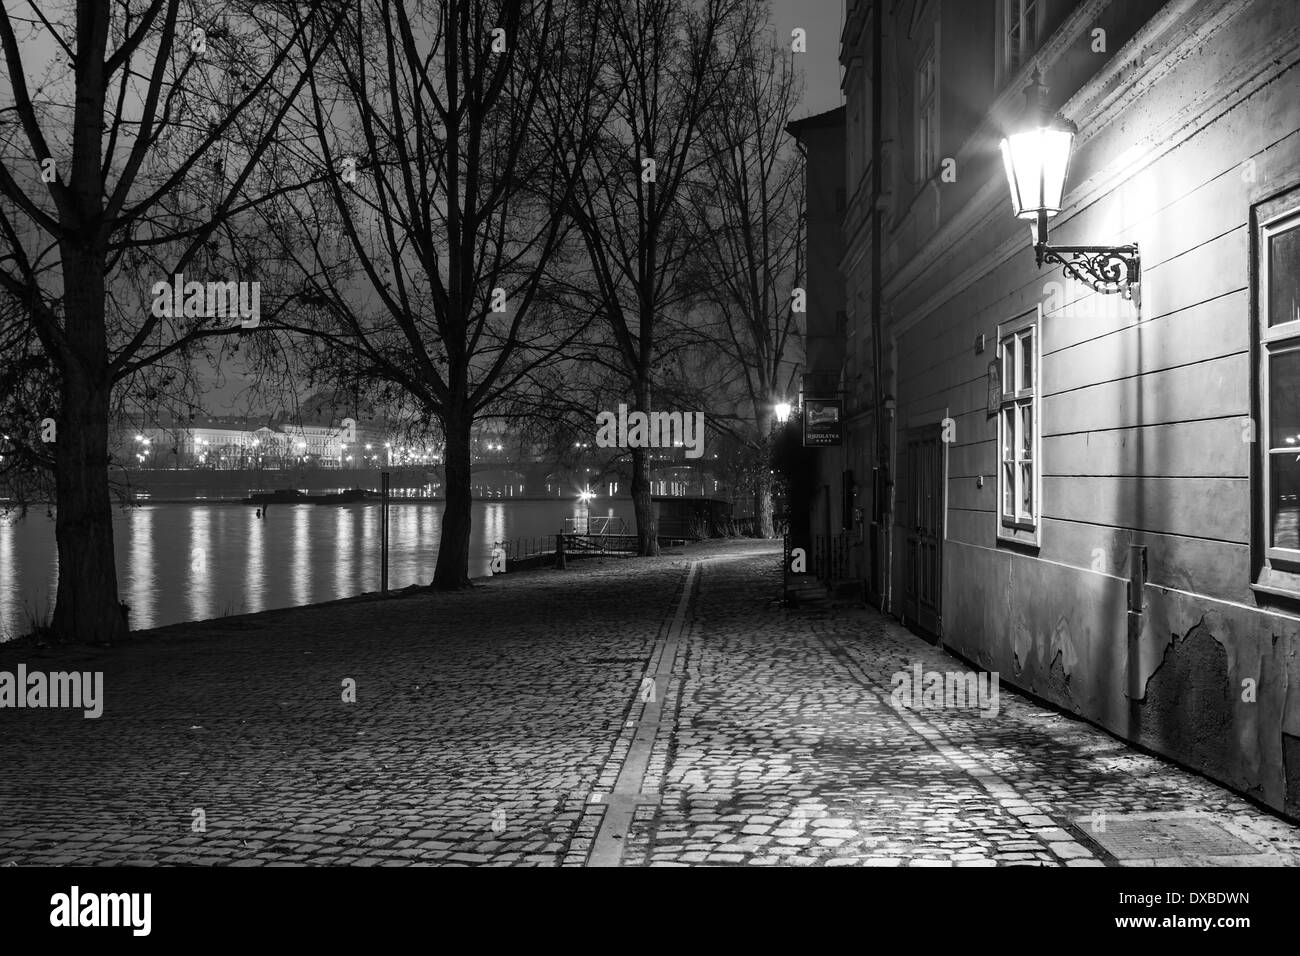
(643, 506)
(86, 608)
(452, 570)
(764, 526)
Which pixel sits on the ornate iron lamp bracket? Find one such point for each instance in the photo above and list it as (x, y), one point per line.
(1107, 269)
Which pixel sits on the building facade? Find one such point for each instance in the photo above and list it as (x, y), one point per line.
(1097, 497)
(830, 503)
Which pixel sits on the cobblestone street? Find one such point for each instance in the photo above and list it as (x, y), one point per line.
(648, 712)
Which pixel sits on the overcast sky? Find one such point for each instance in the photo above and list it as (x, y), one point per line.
(823, 19)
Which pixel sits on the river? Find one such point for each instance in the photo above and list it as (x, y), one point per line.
(190, 562)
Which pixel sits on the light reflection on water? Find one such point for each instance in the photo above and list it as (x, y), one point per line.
(179, 562)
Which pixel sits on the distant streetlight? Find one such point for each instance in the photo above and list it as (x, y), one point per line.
(585, 496)
(782, 412)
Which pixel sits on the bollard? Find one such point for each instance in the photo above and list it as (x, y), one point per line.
(785, 571)
(383, 533)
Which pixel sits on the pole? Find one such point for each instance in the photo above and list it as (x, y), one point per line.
(785, 571)
(880, 574)
(383, 532)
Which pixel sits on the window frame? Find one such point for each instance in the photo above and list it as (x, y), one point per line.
(1273, 341)
(927, 112)
(1026, 47)
(1017, 526)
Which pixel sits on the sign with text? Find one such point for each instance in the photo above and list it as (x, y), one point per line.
(823, 422)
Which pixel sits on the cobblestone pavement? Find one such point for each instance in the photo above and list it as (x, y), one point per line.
(651, 712)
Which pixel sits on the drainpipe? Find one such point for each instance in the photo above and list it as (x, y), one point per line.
(1137, 580)
(877, 349)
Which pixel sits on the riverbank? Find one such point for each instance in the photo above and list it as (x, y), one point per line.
(579, 565)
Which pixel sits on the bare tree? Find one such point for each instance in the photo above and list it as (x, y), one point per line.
(664, 70)
(424, 261)
(750, 197)
(131, 150)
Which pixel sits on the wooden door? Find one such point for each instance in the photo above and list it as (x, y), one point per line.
(923, 526)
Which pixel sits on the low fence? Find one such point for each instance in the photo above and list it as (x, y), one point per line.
(832, 556)
(826, 559)
(554, 549)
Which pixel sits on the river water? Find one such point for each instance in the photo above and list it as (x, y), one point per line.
(189, 562)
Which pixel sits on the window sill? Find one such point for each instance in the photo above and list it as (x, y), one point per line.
(1273, 584)
(1276, 592)
(1025, 539)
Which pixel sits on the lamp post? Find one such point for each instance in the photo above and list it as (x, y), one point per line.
(585, 497)
(1036, 157)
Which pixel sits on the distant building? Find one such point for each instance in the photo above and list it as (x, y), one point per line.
(320, 445)
(230, 443)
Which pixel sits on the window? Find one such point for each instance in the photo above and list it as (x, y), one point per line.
(927, 115)
(1018, 430)
(1279, 375)
(1020, 31)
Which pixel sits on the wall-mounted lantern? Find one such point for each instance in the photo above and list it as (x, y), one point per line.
(1037, 160)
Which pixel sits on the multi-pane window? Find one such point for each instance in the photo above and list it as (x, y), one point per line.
(1279, 285)
(927, 115)
(1018, 465)
(1020, 32)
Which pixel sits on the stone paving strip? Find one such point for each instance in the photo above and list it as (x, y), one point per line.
(658, 712)
(629, 790)
(787, 751)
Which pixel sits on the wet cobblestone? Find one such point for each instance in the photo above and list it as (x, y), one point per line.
(493, 727)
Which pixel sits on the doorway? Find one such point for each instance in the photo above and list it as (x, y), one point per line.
(923, 528)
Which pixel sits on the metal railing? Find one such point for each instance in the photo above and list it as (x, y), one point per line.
(828, 560)
(521, 549)
(831, 558)
(595, 524)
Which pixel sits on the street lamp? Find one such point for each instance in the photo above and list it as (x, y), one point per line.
(1036, 157)
(782, 412)
(585, 496)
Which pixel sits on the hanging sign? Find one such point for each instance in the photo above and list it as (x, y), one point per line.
(823, 422)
